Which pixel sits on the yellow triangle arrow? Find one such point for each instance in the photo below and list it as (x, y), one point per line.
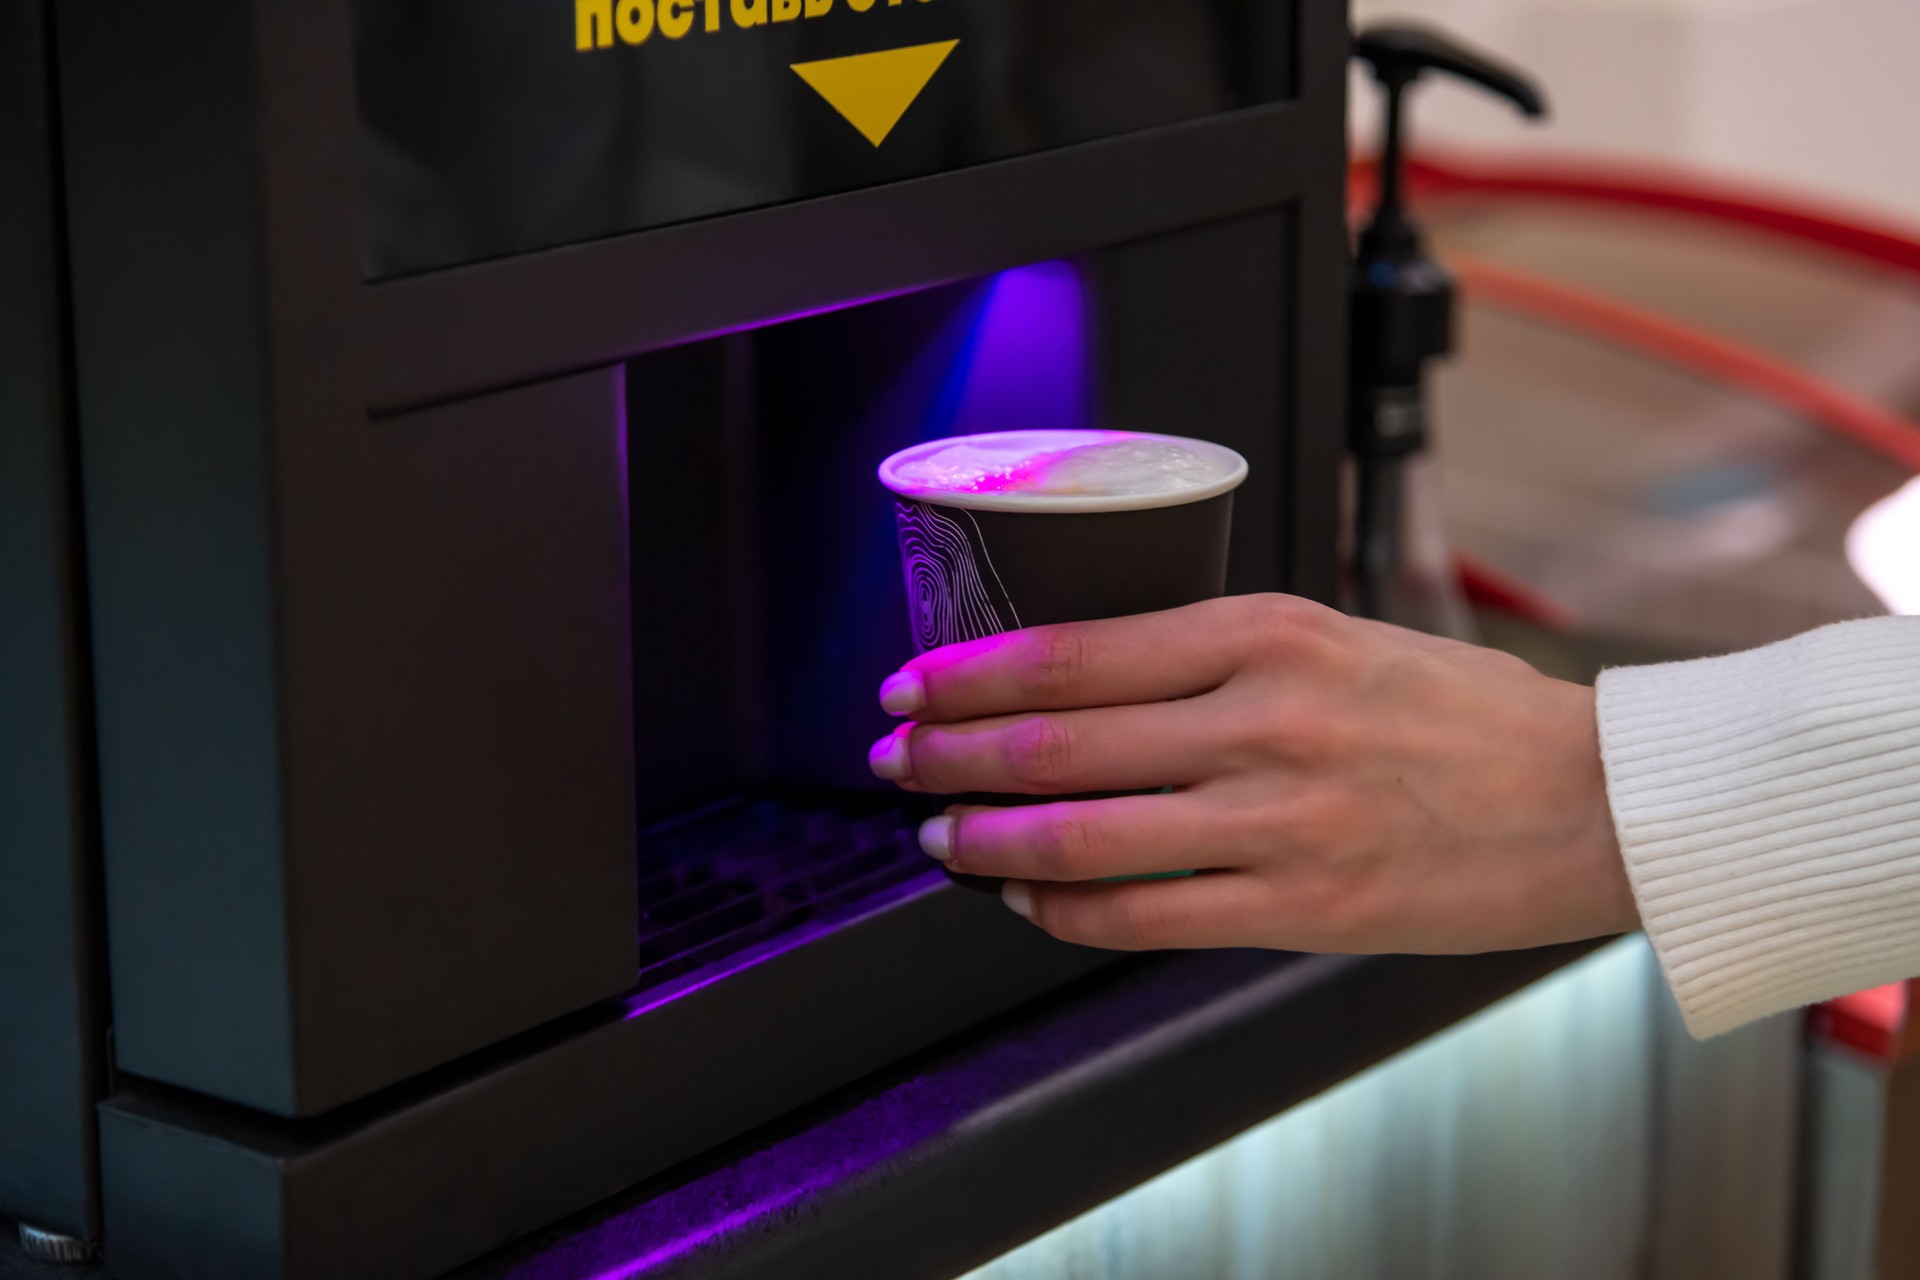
(873, 90)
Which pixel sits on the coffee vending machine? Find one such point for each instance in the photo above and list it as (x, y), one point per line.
(446, 584)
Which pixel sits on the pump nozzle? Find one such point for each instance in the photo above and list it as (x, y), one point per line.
(1402, 299)
(1401, 318)
(1399, 55)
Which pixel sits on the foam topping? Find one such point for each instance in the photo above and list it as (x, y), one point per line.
(1056, 464)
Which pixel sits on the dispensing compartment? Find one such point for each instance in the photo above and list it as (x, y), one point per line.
(767, 593)
(768, 599)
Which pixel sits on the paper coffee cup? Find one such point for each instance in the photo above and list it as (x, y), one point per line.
(998, 557)
(1018, 548)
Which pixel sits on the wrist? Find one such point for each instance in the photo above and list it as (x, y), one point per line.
(1602, 877)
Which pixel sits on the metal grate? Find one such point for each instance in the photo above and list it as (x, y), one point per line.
(738, 874)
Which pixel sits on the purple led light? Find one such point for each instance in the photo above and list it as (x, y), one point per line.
(1025, 364)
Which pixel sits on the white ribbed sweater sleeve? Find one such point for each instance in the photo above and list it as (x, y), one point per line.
(1768, 805)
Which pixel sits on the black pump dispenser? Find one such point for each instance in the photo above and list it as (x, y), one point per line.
(1402, 317)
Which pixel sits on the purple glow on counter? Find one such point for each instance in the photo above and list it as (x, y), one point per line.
(688, 1243)
(649, 1000)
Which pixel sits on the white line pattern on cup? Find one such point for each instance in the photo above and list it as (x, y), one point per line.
(980, 541)
(946, 593)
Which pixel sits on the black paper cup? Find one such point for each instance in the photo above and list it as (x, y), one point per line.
(980, 563)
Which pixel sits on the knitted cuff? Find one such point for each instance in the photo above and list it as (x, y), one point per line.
(1768, 805)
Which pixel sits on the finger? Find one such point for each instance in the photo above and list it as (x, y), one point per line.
(1218, 909)
(890, 758)
(1152, 657)
(1107, 749)
(1079, 839)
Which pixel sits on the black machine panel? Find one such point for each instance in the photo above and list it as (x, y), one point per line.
(495, 127)
(52, 1015)
(485, 658)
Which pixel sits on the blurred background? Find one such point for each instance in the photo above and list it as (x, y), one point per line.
(1648, 499)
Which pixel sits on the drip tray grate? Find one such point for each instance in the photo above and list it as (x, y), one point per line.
(745, 872)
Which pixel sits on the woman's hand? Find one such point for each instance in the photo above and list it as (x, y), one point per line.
(1344, 785)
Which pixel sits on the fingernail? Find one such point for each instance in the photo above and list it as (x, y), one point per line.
(903, 693)
(1019, 898)
(889, 758)
(936, 838)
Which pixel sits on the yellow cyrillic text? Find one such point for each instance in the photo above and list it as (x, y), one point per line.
(596, 23)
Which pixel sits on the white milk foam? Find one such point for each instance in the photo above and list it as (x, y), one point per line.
(1096, 464)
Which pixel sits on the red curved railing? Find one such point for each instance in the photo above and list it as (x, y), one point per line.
(1712, 357)
(1438, 178)
(1486, 587)
(1436, 181)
